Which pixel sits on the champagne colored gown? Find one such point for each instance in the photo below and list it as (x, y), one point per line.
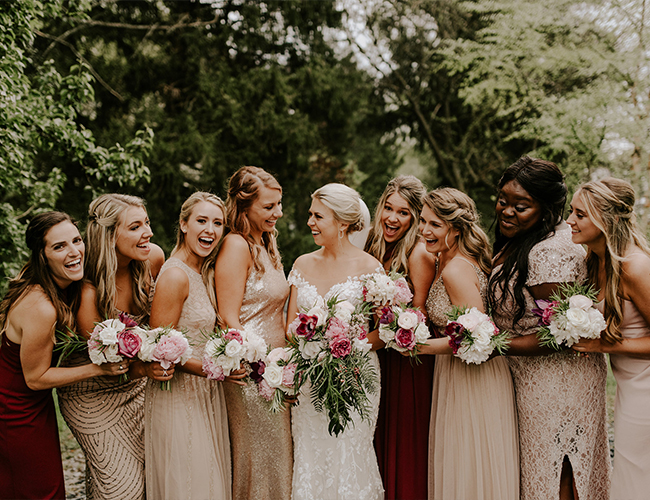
(631, 478)
(473, 441)
(262, 452)
(187, 449)
(560, 397)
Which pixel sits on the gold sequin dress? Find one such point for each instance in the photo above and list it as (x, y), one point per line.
(560, 397)
(187, 449)
(262, 451)
(473, 446)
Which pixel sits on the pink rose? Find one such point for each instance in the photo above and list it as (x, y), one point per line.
(336, 329)
(234, 335)
(403, 294)
(266, 391)
(128, 343)
(288, 372)
(405, 338)
(340, 347)
(169, 350)
(420, 315)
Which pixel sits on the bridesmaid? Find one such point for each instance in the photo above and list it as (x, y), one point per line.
(107, 416)
(187, 449)
(618, 263)
(473, 447)
(405, 405)
(40, 300)
(560, 397)
(251, 294)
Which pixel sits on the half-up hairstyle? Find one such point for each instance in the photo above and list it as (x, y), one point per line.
(609, 204)
(345, 202)
(411, 189)
(243, 190)
(207, 270)
(544, 182)
(105, 215)
(36, 272)
(458, 211)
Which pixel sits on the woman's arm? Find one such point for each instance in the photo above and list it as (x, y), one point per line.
(35, 317)
(230, 274)
(292, 307)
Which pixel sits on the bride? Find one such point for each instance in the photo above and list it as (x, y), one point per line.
(343, 467)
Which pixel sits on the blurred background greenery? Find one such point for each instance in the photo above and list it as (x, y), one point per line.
(161, 98)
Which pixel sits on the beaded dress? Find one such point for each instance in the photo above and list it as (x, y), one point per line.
(262, 455)
(187, 449)
(560, 397)
(325, 466)
(473, 448)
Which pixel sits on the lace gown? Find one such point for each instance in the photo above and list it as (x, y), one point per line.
(328, 467)
(560, 397)
(631, 478)
(262, 456)
(473, 442)
(187, 449)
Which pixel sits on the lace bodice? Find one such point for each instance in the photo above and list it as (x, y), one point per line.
(308, 296)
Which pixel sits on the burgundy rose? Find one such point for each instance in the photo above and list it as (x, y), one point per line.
(340, 347)
(126, 319)
(307, 326)
(387, 316)
(234, 335)
(455, 333)
(128, 343)
(257, 371)
(405, 338)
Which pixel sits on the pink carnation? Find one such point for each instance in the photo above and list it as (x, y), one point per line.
(288, 372)
(340, 347)
(403, 294)
(266, 391)
(128, 343)
(234, 335)
(336, 328)
(169, 350)
(405, 339)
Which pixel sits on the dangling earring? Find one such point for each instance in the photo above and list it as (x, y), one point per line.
(341, 233)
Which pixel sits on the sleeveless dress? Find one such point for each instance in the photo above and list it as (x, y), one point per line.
(560, 397)
(631, 478)
(106, 417)
(473, 442)
(262, 456)
(328, 467)
(187, 449)
(30, 456)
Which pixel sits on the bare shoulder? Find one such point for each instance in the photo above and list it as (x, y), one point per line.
(88, 293)
(307, 261)
(234, 243)
(173, 277)
(420, 258)
(367, 263)
(636, 271)
(157, 259)
(34, 304)
(459, 271)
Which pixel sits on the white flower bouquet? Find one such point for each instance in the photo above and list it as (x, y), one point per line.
(165, 345)
(226, 349)
(473, 336)
(380, 289)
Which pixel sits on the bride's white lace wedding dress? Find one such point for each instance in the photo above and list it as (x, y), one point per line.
(327, 467)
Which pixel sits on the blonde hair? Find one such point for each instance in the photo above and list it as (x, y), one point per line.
(609, 204)
(243, 191)
(345, 202)
(412, 190)
(458, 210)
(104, 217)
(207, 270)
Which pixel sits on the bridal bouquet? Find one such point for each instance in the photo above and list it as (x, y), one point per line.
(165, 345)
(330, 349)
(274, 377)
(226, 349)
(473, 336)
(568, 316)
(380, 289)
(403, 329)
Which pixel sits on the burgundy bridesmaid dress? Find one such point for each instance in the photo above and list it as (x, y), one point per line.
(30, 456)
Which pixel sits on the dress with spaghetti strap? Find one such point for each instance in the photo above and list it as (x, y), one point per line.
(473, 442)
(187, 449)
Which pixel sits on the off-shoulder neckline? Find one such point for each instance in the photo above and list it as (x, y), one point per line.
(349, 279)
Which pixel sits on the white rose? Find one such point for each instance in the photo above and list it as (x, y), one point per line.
(234, 349)
(407, 320)
(483, 333)
(96, 357)
(227, 364)
(343, 310)
(580, 302)
(277, 354)
(108, 335)
(111, 354)
(597, 323)
(577, 318)
(473, 355)
(212, 345)
(421, 333)
(255, 347)
(309, 350)
(146, 350)
(320, 313)
(273, 375)
(386, 334)
(471, 319)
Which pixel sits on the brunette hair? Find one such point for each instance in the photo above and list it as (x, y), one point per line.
(609, 204)
(411, 189)
(37, 273)
(105, 215)
(458, 210)
(544, 182)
